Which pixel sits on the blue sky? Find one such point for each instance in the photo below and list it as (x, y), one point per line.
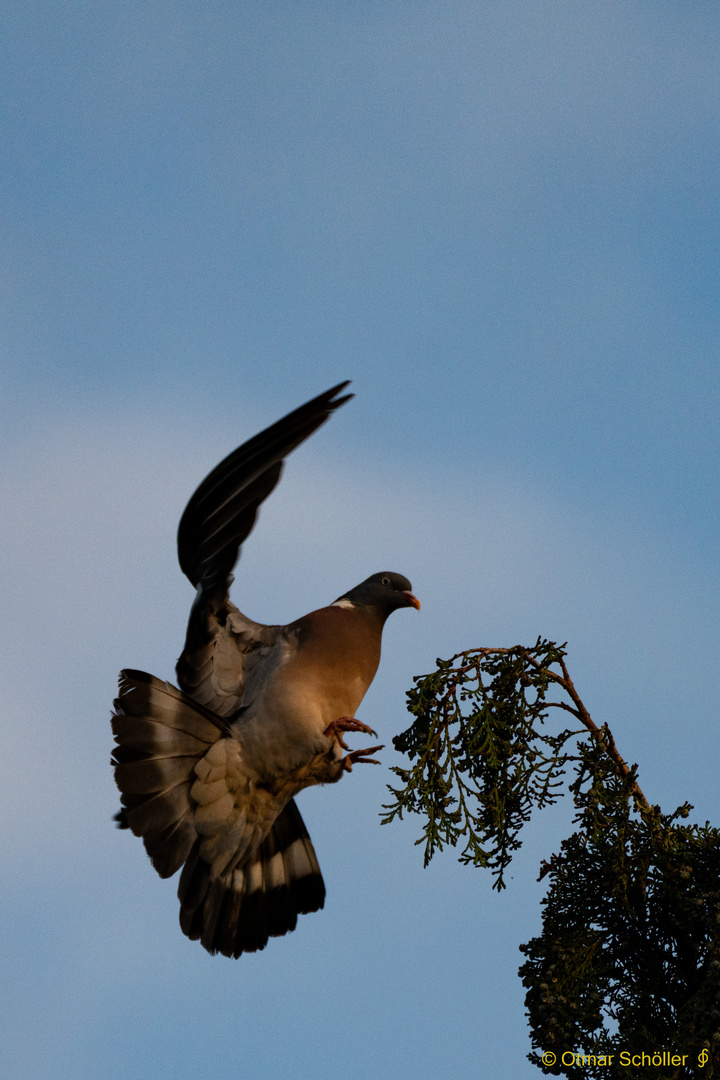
(501, 222)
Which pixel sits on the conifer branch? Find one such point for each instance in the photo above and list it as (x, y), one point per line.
(628, 961)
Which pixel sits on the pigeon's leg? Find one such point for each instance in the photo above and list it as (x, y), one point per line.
(324, 768)
(358, 757)
(347, 723)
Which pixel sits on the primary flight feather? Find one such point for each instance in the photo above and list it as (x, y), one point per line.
(208, 773)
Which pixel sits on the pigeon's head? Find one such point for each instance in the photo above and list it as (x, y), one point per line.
(385, 592)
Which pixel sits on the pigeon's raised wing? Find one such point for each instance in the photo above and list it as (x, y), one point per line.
(223, 648)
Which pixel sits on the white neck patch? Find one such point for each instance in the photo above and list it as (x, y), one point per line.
(344, 603)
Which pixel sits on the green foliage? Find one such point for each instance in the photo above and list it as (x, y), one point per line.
(628, 961)
(629, 955)
(482, 759)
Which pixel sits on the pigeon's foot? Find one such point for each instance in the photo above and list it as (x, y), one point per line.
(348, 723)
(359, 757)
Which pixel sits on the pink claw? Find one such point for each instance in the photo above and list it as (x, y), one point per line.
(346, 723)
(358, 757)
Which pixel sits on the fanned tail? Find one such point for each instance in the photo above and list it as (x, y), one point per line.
(238, 911)
(161, 734)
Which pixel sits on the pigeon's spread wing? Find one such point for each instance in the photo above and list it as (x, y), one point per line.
(223, 647)
(222, 511)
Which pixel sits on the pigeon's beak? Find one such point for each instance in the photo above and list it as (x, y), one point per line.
(412, 601)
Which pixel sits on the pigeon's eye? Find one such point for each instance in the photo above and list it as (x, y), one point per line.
(386, 581)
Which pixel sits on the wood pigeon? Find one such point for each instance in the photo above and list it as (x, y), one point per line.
(208, 773)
